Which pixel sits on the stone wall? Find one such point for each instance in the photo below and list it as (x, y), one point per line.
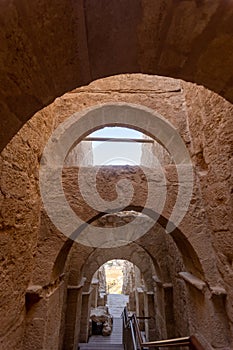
(128, 278)
(102, 280)
(46, 50)
(20, 222)
(81, 155)
(164, 95)
(153, 155)
(34, 253)
(211, 130)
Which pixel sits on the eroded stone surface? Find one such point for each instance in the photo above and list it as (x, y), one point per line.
(49, 49)
(33, 252)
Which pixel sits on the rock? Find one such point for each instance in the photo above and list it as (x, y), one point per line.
(100, 316)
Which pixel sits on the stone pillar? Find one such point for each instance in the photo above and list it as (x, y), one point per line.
(95, 292)
(132, 301)
(169, 310)
(73, 316)
(140, 312)
(85, 316)
(44, 307)
(150, 312)
(102, 299)
(160, 319)
(146, 314)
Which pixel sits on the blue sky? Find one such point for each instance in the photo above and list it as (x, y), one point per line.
(116, 153)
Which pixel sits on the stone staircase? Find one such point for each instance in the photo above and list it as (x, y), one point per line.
(112, 342)
(101, 346)
(116, 305)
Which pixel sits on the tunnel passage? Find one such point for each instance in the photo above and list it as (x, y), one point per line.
(25, 224)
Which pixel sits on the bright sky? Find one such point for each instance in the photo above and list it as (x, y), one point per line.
(115, 153)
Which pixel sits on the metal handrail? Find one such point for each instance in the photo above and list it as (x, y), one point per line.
(125, 316)
(191, 341)
(134, 340)
(133, 324)
(128, 325)
(168, 342)
(119, 139)
(138, 332)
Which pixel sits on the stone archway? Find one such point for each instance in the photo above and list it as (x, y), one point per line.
(150, 123)
(49, 49)
(133, 253)
(206, 172)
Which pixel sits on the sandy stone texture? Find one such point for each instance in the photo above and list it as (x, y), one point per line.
(34, 253)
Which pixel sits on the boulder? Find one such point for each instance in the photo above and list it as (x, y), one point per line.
(102, 320)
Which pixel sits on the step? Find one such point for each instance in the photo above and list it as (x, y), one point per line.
(99, 346)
